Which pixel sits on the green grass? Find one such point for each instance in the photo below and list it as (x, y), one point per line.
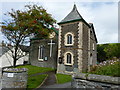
(62, 78)
(110, 70)
(35, 81)
(35, 69)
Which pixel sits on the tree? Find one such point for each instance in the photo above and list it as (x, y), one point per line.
(34, 20)
(101, 54)
(112, 50)
(108, 51)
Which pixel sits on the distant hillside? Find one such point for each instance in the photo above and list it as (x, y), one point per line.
(108, 51)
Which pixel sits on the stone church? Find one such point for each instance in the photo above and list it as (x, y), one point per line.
(70, 49)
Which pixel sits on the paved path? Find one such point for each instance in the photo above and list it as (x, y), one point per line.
(51, 79)
(50, 82)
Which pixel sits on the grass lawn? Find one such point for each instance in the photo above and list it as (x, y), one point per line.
(35, 69)
(62, 78)
(35, 81)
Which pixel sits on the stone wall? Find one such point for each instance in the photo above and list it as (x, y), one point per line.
(47, 60)
(85, 48)
(90, 81)
(14, 78)
(65, 28)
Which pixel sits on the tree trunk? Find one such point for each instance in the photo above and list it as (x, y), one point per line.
(15, 57)
(14, 62)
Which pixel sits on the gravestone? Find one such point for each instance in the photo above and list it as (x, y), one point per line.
(14, 78)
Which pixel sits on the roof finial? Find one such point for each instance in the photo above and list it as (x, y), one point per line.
(74, 7)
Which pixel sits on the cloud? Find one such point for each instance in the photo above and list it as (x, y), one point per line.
(104, 15)
(105, 19)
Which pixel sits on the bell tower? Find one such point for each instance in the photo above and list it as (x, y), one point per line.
(73, 43)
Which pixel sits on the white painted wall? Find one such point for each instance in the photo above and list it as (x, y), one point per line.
(0, 50)
(6, 60)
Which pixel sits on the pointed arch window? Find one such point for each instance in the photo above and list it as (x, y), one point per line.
(69, 40)
(40, 53)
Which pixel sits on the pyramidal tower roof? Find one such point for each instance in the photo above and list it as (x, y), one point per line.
(72, 16)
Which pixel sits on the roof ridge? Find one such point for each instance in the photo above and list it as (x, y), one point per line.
(73, 15)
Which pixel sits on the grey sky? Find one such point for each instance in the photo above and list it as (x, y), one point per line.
(104, 15)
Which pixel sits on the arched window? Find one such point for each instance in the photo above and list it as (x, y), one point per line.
(40, 53)
(68, 57)
(69, 39)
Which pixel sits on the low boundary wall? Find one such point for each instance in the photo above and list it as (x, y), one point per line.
(92, 81)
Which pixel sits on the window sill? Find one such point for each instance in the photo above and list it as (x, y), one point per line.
(40, 59)
(68, 64)
(68, 44)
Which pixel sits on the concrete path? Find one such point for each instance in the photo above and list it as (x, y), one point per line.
(51, 82)
(51, 79)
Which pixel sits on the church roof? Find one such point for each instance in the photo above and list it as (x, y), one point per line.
(72, 16)
(54, 29)
(91, 25)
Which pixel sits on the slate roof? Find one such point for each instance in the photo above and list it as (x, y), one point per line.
(52, 28)
(73, 15)
(55, 30)
(91, 25)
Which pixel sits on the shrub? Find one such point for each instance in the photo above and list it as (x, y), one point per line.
(111, 69)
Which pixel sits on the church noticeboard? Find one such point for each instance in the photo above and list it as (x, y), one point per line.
(46, 59)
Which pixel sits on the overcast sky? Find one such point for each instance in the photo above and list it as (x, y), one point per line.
(104, 15)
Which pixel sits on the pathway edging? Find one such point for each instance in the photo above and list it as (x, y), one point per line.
(43, 82)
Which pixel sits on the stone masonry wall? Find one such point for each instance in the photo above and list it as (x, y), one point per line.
(85, 48)
(14, 78)
(51, 61)
(92, 81)
(72, 28)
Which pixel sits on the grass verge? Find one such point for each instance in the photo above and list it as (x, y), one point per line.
(35, 81)
(62, 78)
(35, 69)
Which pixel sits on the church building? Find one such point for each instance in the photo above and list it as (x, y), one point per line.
(71, 50)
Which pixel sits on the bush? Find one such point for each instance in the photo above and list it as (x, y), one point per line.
(108, 69)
